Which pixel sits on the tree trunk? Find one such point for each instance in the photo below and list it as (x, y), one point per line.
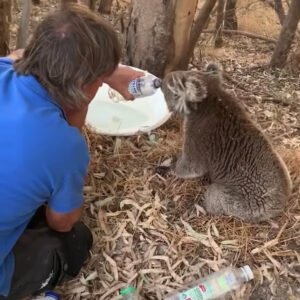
(219, 24)
(149, 35)
(24, 24)
(230, 15)
(199, 25)
(279, 10)
(105, 6)
(5, 14)
(183, 22)
(287, 35)
(89, 3)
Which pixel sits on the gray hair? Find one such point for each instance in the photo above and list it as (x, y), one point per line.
(70, 48)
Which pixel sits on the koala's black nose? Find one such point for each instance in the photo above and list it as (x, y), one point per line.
(212, 67)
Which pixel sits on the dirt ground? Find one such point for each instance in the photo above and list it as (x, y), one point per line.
(152, 232)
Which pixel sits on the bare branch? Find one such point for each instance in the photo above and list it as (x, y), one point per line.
(245, 33)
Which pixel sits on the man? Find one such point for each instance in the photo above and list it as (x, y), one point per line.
(44, 97)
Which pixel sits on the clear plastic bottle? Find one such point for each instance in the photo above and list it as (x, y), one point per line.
(139, 87)
(214, 286)
(129, 293)
(144, 86)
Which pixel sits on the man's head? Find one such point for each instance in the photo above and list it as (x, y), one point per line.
(71, 50)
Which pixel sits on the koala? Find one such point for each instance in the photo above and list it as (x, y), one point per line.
(249, 180)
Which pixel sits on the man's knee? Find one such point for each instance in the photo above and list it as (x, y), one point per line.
(45, 259)
(76, 246)
(39, 264)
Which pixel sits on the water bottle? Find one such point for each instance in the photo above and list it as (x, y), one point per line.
(144, 86)
(215, 285)
(129, 293)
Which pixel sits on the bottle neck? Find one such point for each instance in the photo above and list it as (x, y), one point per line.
(246, 273)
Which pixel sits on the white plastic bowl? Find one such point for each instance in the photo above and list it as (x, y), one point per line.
(124, 118)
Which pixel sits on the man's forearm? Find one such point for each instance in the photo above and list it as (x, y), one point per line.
(120, 79)
(62, 222)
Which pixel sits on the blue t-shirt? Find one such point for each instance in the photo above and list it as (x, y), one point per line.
(42, 158)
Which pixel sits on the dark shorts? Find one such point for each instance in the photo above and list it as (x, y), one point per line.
(45, 258)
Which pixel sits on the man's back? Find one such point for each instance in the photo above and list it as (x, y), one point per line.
(42, 159)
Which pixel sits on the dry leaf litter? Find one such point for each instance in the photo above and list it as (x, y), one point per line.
(152, 232)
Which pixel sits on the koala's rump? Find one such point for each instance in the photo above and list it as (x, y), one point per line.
(241, 158)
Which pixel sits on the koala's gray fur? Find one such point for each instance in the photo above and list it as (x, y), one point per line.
(249, 179)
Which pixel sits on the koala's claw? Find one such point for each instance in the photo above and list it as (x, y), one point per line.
(163, 171)
(166, 168)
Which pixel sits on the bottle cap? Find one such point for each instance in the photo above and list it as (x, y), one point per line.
(128, 290)
(247, 272)
(157, 83)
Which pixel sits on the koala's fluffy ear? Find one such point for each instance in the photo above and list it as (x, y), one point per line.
(188, 88)
(195, 87)
(191, 90)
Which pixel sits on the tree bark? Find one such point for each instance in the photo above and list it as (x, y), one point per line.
(183, 22)
(199, 25)
(230, 15)
(105, 6)
(5, 15)
(149, 35)
(24, 24)
(279, 10)
(91, 4)
(286, 36)
(219, 24)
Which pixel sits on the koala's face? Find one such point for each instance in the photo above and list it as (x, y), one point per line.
(183, 90)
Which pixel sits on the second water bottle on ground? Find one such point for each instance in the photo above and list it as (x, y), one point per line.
(215, 285)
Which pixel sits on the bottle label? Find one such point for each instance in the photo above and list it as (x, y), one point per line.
(191, 294)
(209, 289)
(135, 86)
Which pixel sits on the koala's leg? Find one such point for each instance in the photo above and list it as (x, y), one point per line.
(231, 201)
(214, 199)
(187, 168)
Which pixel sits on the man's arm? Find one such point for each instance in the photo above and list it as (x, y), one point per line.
(118, 80)
(62, 222)
(17, 54)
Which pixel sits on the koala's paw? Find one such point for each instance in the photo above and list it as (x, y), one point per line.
(166, 168)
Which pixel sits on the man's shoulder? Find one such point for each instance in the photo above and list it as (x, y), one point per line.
(6, 61)
(53, 139)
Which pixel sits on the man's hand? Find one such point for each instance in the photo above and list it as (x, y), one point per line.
(62, 222)
(120, 78)
(17, 54)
